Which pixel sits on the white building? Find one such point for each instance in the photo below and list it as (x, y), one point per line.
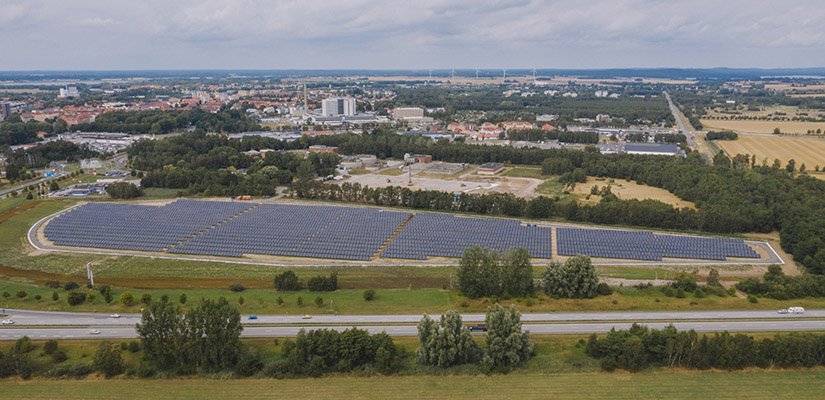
(69, 91)
(603, 118)
(601, 93)
(335, 106)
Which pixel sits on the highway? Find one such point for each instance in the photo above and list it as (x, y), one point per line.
(67, 325)
(688, 134)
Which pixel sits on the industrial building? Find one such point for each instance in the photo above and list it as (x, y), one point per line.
(490, 168)
(658, 149)
(335, 106)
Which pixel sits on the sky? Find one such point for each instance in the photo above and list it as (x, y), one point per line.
(409, 34)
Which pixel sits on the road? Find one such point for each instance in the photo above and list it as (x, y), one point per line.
(119, 160)
(677, 115)
(67, 325)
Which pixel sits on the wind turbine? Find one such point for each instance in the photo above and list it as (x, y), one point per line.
(504, 75)
(476, 74)
(452, 73)
(431, 74)
(534, 74)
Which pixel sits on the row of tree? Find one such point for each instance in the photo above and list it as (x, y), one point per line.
(165, 121)
(776, 285)
(447, 342)
(320, 351)
(640, 347)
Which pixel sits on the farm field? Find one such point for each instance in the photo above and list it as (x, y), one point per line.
(627, 190)
(798, 127)
(811, 152)
(618, 385)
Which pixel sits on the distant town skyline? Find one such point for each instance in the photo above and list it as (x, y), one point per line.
(397, 34)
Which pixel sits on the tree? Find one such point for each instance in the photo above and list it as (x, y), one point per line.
(126, 298)
(576, 278)
(213, 333)
(721, 160)
(162, 334)
(713, 277)
(319, 301)
(323, 284)
(55, 296)
(21, 294)
(369, 294)
(123, 190)
(70, 285)
(446, 343)
(517, 274)
(241, 300)
(146, 298)
(791, 165)
(299, 301)
(53, 186)
(182, 298)
(279, 300)
(507, 346)
(776, 131)
(236, 287)
(287, 281)
(108, 360)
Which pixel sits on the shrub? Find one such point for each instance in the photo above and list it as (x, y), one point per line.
(126, 298)
(55, 296)
(70, 285)
(146, 298)
(236, 287)
(603, 289)
(58, 356)
(38, 297)
(108, 360)
(134, 346)
(241, 300)
(52, 284)
(21, 294)
(369, 294)
(319, 301)
(323, 284)
(299, 301)
(76, 298)
(164, 298)
(90, 297)
(752, 299)
(287, 281)
(6, 295)
(50, 346)
(76, 370)
(680, 293)
(182, 298)
(279, 300)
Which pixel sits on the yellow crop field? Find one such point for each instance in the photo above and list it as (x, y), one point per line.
(751, 126)
(809, 151)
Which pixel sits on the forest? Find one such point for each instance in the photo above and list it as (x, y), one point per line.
(165, 121)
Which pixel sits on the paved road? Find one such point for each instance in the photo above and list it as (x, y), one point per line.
(45, 318)
(688, 134)
(411, 330)
(67, 325)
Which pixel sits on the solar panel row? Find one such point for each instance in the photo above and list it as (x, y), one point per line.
(609, 243)
(443, 235)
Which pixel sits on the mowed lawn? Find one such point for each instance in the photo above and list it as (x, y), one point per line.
(809, 151)
(619, 385)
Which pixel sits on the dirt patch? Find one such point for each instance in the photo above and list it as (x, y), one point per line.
(627, 190)
(5, 215)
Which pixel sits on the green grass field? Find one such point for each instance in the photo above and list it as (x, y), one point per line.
(525, 172)
(735, 385)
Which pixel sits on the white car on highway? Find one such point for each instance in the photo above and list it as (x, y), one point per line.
(114, 316)
(796, 310)
(94, 332)
(7, 322)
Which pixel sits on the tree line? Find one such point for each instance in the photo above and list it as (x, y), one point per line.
(776, 285)
(640, 347)
(722, 135)
(165, 121)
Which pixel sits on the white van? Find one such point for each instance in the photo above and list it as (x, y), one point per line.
(796, 310)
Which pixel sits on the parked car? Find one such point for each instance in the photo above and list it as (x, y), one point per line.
(114, 316)
(8, 322)
(94, 332)
(253, 317)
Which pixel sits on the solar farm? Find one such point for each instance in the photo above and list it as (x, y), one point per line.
(238, 229)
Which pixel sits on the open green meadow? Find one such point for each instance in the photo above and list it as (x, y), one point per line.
(734, 385)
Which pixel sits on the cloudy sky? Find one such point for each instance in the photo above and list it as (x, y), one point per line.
(420, 34)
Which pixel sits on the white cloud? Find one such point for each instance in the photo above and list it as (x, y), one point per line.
(409, 34)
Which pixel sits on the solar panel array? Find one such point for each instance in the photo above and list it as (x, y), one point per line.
(444, 235)
(347, 233)
(138, 227)
(609, 243)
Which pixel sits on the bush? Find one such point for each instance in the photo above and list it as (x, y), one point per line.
(752, 299)
(319, 301)
(76, 298)
(287, 281)
(108, 360)
(58, 356)
(680, 293)
(299, 301)
(323, 284)
(279, 300)
(369, 294)
(134, 346)
(241, 300)
(38, 297)
(70, 285)
(55, 296)
(52, 284)
(21, 294)
(182, 298)
(76, 370)
(126, 298)
(164, 298)
(603, 289)
(6, 295)
(50, 346)
(236, 287)
(146, 298)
